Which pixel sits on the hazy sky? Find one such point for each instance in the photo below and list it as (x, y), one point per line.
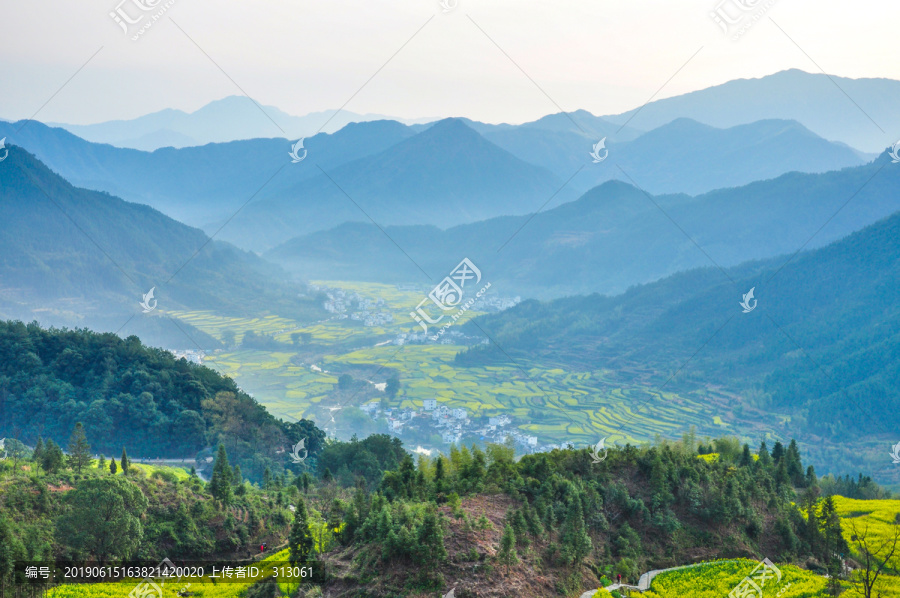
(606, 56)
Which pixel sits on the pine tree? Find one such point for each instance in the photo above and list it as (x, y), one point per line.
(267, 479)
(439, 477)
(507, 554)
(811, 479)
(53, 458)
(38, 454)
(520, 527)
(746, 458)
(101, 463)
(431, 549)
(576, 542)
(79, 449)
(777, 452)
(300, 541)
(765, 460)
(220, 484)
(125, 462)
(327, 478)
(794, 464)
(113, 468)
(236, 477)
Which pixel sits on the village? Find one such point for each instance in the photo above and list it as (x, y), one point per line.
(455, 426)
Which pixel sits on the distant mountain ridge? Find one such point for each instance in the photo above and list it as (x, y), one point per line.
(229, 119)
(613, 237)
(76, 257)
(859, 112)
(444, 174)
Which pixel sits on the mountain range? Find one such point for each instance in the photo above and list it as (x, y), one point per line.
(613, 237)
(71, 256)
(858, 112)
(228, 119)
(442, 174)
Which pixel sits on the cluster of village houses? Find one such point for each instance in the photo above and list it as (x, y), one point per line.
(454, 425)
(371, 312)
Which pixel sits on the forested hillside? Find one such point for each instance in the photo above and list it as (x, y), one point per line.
(129, 395)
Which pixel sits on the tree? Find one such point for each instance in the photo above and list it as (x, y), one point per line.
(38, 454)
(53, 457)
(103, 520)
(11, 548)
(113, 468)
(430, 537)
(15, 450)
(507, 554)
(300, 542)
(392, 387)
(101, 463)
(228, 338)
(345, 381)
(833, 542)
(439, 479)
(236, 478)
(576, 542)
(765, 459)
(125, 462)
(777, 452)
(220, 484)
(79, 449)
(876, 553)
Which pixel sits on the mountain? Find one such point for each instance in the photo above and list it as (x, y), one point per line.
(819, 101)
(196, 185)
(76, 257)
(446, 175)
(613, 237)
(229, 119)
(683, 156)
(817, 351)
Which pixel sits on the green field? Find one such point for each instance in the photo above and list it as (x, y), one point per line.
(549, 402)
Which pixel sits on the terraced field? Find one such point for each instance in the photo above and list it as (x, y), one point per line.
(551, 403)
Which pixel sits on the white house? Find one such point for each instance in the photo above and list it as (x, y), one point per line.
(451, 437)
(429, 404)
(460, 413)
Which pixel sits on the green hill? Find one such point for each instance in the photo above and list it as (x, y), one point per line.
(819, 349)
(133, 396)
